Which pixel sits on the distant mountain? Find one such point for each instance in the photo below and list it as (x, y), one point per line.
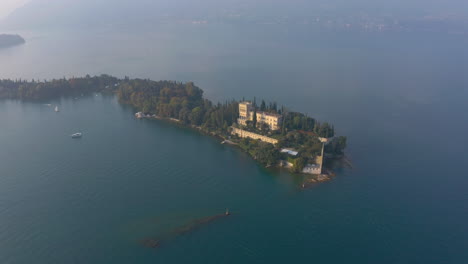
(7, 40)
(140, 13)
(82, 13)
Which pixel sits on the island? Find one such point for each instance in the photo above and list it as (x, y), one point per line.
(7, 40)
(271, 134)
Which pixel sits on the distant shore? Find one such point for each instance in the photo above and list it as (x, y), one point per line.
(7, 40)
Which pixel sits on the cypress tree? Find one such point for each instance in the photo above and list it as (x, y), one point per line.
(254, 121)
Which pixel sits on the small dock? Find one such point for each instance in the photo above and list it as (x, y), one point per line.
(228, 142)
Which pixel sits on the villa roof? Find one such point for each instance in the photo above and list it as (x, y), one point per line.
(269, 114)
(290, 152)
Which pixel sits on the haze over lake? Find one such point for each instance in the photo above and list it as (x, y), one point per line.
(401, 98)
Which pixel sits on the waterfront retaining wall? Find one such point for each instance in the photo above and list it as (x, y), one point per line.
(246, 134)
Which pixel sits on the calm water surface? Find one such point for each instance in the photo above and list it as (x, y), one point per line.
(401, 100)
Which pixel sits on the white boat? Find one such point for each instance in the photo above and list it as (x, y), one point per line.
(56, 109)
(77, 135)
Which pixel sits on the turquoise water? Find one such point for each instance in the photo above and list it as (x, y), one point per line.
(401, 100)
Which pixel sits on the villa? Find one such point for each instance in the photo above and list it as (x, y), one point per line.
(247, 111)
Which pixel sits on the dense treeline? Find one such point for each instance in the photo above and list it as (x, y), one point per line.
(337, 146)
(324, 130)
(44, 90)
(297, 121)
(182, 101)
(265, 153)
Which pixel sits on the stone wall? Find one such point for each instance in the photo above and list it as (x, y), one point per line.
(246, 134)
(312, 169)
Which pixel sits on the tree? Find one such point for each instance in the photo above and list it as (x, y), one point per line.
(341, 143)
(266, 153)
(264, 127)
(195, 116)
(337, 146)
(263, 106)
(274, 107)
(283, 124)
(254, 121)
(296, 122)
(299, 164)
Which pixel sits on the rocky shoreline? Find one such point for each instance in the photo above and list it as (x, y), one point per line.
(309, 180)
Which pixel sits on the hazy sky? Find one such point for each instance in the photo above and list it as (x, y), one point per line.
(48, 13)
(6, 6)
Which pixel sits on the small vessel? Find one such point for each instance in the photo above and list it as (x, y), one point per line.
(227, 212)
(56, 109)
(77, 135)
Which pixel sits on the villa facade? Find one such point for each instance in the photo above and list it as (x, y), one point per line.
(247, 111)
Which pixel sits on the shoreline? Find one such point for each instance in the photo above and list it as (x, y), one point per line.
(309, 180)
(263, 130)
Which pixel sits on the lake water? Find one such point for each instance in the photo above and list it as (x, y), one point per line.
(400, 98)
